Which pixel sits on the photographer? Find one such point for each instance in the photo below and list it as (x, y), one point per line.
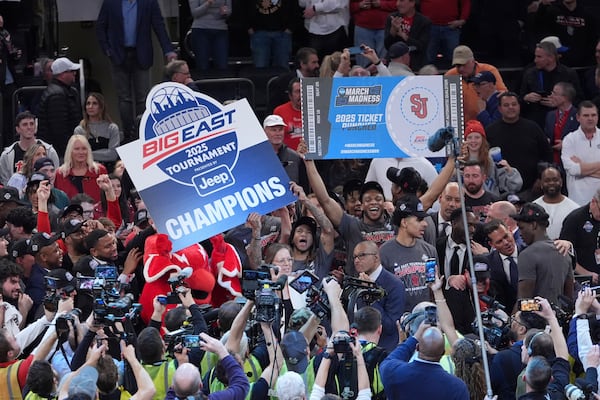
(552, 347)
(506, 365)
(424, 377)
(364, 391)
(176, 317)
(187, 382)
(580, 329)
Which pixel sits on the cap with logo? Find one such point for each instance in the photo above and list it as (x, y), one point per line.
(531, 212)
(368, 186)
(69, 227)
(63, 64)
(293, 346)
(20, 248)
(140, 217)
(64, 279)
(37, 177)
(556, 42)
(273, 120)
(9, 193)
(408, 206)
(40, 240)
(407, 178)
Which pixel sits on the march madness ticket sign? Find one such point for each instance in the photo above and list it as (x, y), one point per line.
(202, 167)
(377, 117)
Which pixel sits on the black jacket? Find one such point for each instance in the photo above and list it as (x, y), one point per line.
(59, 113)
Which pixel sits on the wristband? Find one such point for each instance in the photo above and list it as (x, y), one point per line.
(377, 63)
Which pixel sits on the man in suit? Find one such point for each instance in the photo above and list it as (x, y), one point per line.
(453, 261)
(502, 210)
(438, 223)
(124, 33)
(391, 307)
(563, 120)
(504, 272)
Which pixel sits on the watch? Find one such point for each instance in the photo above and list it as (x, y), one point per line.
(582, 316)
(327, 355)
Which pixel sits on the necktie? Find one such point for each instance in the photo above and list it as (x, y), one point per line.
(454, 262)
(443, 227)
(514, 272)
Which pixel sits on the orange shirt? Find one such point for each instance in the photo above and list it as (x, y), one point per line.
(470, 108)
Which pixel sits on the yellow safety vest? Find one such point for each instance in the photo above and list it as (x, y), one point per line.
(162, 376)
(9, 382)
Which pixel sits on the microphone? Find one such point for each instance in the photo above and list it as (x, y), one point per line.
(491, 302)
(438, 140)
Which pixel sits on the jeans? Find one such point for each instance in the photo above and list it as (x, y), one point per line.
(271, 48)
(372, 38)
(442, 39)
(330, 43)
(210, 43)
(132, 84)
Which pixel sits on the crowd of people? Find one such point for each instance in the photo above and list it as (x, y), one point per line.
(363, 287)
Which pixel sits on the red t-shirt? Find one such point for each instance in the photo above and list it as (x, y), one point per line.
(293, 120)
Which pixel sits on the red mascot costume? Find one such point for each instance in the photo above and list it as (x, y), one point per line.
(159, 264)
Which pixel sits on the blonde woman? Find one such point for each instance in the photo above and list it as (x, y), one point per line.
(79, 171)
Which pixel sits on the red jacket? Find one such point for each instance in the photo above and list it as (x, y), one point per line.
(371, 18)
(90, 187)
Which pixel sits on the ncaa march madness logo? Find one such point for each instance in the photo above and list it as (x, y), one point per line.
(190, 138)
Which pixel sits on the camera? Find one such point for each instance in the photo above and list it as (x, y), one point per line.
(251, 282)
(317, 301)
(54, 294)
(62, 322)
(341, 344)
(431, 315)
(178, 285)
(581, 390)
(495, 330)
(191, 341)
(529, 305)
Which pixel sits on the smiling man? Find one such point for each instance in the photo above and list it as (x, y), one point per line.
(557, 205)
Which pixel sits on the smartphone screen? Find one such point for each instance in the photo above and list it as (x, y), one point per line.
(303, 282)
(191, 341)
(430, 270)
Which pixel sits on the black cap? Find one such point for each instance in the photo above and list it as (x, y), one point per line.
(531, 212)
(71, 208)
(140, 217)
(40, 240)
(408, 206)
(485, 76)
(43, 162)
(398, 49)
(481, 267)
(370, 185)
(20, 248)
(308, 221)
(37, 177)
(9, 193)
(63, 278)
(293, 347)
(407, 178)
(69, 227)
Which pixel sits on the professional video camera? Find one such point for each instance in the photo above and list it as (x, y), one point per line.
(54, 294)
(495, 330)
(341, 344)
(172, 339)
(257, 286)
(354, 289)
(111, 303)
(62, 322)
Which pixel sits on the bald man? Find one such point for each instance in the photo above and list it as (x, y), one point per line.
(404, 380)
(502, 210)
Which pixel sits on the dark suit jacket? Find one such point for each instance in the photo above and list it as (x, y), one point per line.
(111, 33)
(459, 301)
(418, 38)
(569, 127)
(391, 308)
(504, 292)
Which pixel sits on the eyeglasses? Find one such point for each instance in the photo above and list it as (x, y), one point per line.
(284, 261)
(360, 256)
(514, 319)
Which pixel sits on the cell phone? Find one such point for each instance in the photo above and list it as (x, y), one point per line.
(431, 315)
(191, 341)
(106, 272)
(304, 281)
(162, 299)
(354, 50)
(85, 283)
(529, 305)
(430, 265)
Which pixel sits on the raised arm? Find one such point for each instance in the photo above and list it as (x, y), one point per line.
(332, 209)
(237, 328)
(146, 389)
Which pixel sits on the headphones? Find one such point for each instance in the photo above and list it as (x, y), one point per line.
(530, 347)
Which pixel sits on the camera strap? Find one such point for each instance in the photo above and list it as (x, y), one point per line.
(348, 380)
